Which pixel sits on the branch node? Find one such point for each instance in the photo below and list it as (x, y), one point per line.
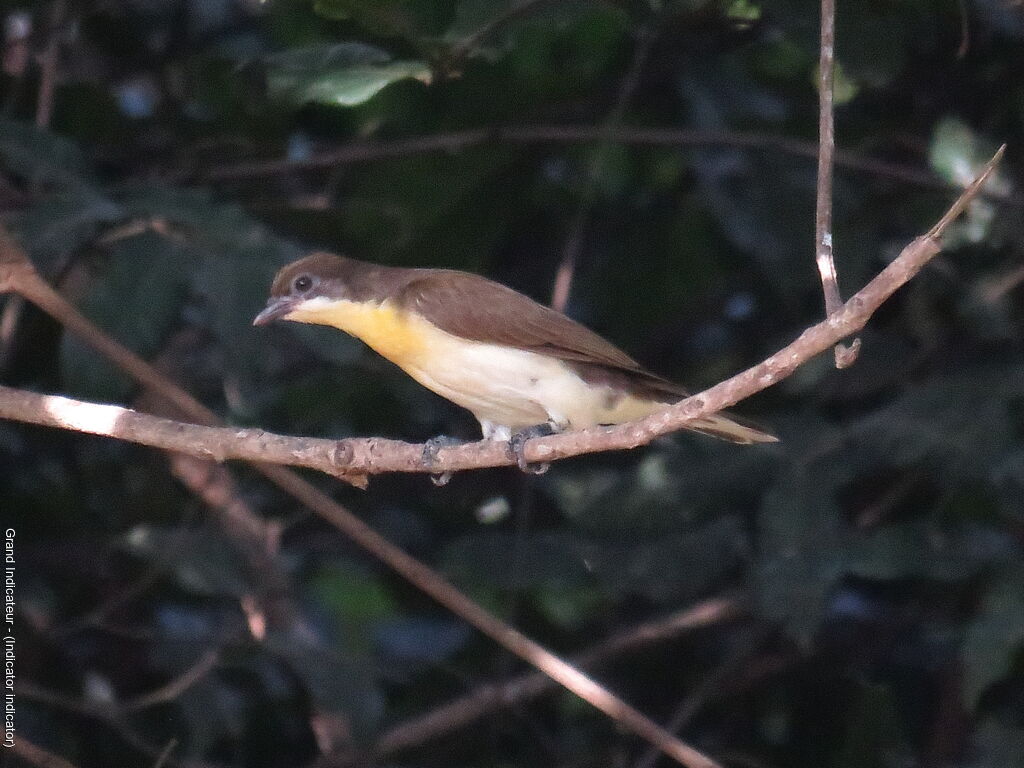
(341, 454)
(847, 355)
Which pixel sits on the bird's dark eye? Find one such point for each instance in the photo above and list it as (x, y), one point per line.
(302, 283)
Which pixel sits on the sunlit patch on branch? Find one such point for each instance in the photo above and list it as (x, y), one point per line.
(83, 417)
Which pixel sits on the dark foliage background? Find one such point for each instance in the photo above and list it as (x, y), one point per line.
(876, 552)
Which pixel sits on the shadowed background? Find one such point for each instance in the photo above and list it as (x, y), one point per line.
(161, 159)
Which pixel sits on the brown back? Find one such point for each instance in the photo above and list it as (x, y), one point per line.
(476, 308)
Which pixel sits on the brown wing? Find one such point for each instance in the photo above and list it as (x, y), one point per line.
(474, 307)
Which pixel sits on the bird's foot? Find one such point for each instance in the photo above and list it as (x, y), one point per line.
(430, 451)
(517, 444)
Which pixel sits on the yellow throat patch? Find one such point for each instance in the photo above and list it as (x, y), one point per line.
(393, 333)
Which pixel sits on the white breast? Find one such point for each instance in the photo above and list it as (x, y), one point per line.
(509, 389)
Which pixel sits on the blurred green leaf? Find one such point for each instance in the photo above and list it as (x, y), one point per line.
(493, 28)
(844, 89)
(233, 260)
(800, 551)
(342, 74)
(337, 682)
(357, 598)
(571, 607)
(60, 224)
(668, 491)
(212, 711)
(997, 745)
(399, 18)
(929, 549)
(930, 425)
(873, 738)
(202, 561)
(670, 569)
(957, 154)
(743, 11)
(995, 636)
(137, 298)
(42, 157)
(407, 200)
(420, 640)
(527, 562)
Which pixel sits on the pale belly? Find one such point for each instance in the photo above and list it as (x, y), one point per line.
(509, 389)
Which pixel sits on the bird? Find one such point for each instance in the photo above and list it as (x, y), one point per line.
(521, 368)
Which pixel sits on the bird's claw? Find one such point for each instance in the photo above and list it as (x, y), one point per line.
(517, 444)
(430, 450)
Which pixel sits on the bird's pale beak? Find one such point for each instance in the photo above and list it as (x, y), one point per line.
(276, 308)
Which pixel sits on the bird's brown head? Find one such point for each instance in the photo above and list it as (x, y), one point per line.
(305, 286)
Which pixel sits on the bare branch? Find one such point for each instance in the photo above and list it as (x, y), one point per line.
(490, 698)
(845, 356)
(456, 141)
(367, 456)
(173, 689)
(373, 455)
(37, 756)
(271, 605)
(111, 716)
(705, 691)
(18, 275)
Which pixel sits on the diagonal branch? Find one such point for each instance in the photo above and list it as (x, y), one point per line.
(35, 755)
(17, 275)
(358, 457)
(488, 699)
(176, 687)
(372, 455)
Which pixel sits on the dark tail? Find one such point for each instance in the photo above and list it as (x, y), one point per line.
(725, 428)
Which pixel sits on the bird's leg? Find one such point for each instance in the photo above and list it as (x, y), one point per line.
(517, 442)
(430, 451)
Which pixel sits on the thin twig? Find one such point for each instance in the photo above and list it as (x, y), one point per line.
(48, 67)
(13, 311)
(116, 711)
(965, 30)
(491, 26)
(578, 227)
(18, 275)
(490, 698)
(111, 716)
(708, 688)
(164, 756)
(993, 289)
(256, 538)
(173, 689)
(455, 141)
(364, 456)
(845, 356)
(35, 755)
(10, 318)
